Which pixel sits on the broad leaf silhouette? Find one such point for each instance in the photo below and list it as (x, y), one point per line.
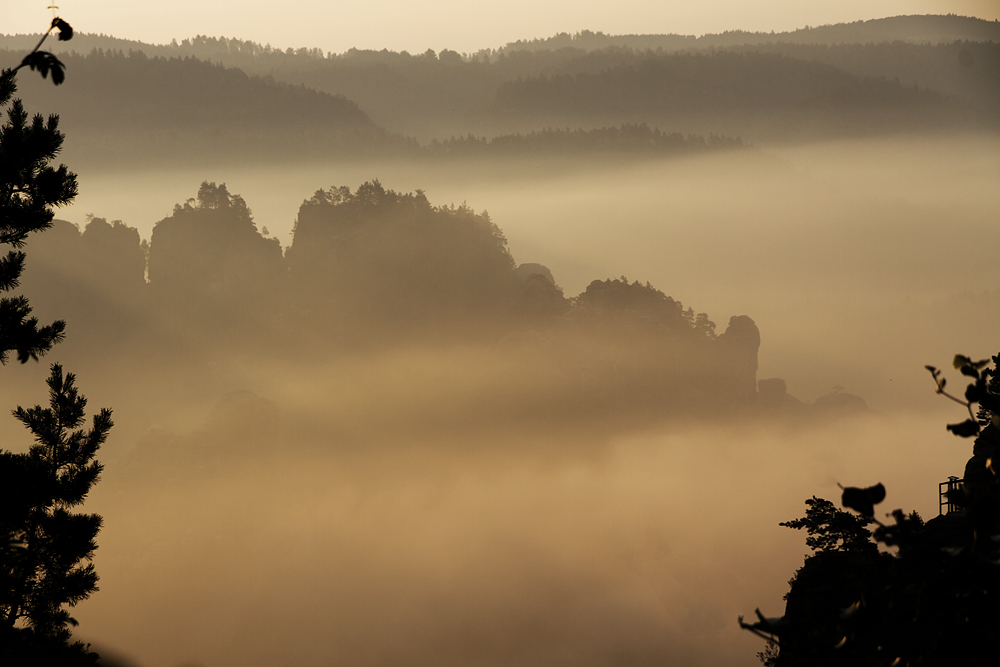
(65, 29)
(863, 501)
(44, 62)
(965, 429)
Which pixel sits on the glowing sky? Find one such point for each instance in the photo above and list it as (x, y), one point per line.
(460, 25)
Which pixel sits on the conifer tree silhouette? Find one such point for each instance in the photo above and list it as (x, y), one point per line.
(45, 549)
(29, 188)
(46, 557)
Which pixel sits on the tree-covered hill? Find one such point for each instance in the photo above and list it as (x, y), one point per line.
(780, 94)
(626, 141)
(920, 29)
(133, 103)
(914, 29)
(437, 95)
(126, 109)
(966, 70)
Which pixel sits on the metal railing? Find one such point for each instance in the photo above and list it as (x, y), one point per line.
(947, 495)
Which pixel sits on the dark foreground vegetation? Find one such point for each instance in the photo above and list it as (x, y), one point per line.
(928, 595)
(45, 548)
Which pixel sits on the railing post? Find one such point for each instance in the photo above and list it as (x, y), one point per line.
(946, 504)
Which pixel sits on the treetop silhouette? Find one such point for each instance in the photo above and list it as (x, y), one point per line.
(46, 561)
(29, 188)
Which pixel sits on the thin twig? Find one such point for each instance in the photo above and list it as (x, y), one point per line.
(37, 46)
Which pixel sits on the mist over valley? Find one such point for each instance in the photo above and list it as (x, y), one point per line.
(509, 357)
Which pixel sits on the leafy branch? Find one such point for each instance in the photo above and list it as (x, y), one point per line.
(932, 600)
(975, 392)
(43, 61)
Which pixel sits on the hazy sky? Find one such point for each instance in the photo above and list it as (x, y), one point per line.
(455, 24)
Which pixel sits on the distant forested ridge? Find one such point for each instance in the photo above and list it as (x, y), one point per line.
(966, 70)
(924, 29)
(373, 269)
(733, 87)
(916, 29)
(885, 75)
(126, 108)
(631, 140)
(154, 105)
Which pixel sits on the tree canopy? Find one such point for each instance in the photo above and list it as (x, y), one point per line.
(393, 255)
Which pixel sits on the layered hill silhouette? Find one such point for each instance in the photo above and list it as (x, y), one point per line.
(135, 104)
(737, 89)
(921, 29)
(124, 108)
(225, 95)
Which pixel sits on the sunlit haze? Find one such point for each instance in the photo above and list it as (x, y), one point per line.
(498, 355)
(459, 26)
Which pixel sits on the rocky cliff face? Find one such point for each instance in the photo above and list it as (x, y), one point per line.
(738, 347)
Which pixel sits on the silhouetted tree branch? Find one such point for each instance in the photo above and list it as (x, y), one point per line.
(932, 599)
